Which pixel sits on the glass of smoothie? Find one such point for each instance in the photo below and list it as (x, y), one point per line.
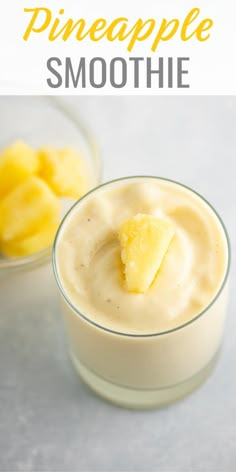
(142, 266)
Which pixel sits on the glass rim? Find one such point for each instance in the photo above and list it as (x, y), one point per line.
(44, 256)
(145, 335)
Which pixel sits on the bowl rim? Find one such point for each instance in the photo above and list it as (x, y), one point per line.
(138, 335)
(44, 256)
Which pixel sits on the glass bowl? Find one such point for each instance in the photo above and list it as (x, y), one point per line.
(41, 121)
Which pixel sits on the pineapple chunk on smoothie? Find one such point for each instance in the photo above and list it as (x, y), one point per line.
(144, 241)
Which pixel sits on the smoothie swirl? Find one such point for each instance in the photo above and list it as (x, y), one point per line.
(89, 257)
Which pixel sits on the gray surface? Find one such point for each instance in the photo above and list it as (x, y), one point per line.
(49, 421)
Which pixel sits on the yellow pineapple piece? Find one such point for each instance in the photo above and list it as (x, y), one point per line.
(64, 171)
(27, 208)
(17, 162)
(144, 241)
(38, 241)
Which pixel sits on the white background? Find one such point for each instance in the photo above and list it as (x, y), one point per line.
(212, 65)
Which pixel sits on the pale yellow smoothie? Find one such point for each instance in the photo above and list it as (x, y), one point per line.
(143, 349)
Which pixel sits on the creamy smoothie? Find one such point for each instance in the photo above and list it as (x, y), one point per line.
(143, 349)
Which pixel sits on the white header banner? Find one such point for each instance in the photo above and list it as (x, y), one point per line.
(156, 47)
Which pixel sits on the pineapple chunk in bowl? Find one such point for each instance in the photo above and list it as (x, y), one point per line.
(48, 159)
